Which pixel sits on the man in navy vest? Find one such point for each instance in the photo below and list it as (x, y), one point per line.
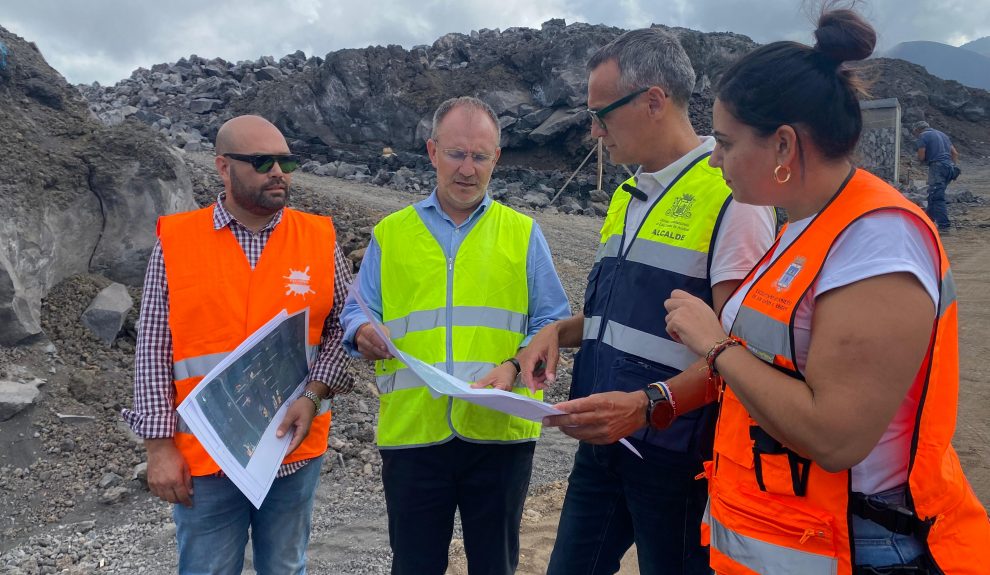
(672, 226)
(936, 150)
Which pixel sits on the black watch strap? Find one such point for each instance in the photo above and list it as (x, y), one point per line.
(515, 364)
(653, 395)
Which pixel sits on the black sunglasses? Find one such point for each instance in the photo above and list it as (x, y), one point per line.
(263, 163)
(599, 115)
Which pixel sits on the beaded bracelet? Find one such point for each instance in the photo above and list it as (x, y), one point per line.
(716, 350)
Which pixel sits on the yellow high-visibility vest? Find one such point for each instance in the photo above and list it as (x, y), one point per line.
(464, 315)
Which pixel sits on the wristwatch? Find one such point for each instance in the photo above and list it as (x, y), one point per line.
(314, 398)
(659, 412)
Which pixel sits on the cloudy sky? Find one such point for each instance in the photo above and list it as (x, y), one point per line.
(104, 40)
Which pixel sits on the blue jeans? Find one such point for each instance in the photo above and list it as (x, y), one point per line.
(877, 546)
(213, 533)
(938, 178)
(615, 499)
(425, 486)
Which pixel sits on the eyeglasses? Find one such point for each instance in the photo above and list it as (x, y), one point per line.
(599, 115)
(458, 156)
(263, 163)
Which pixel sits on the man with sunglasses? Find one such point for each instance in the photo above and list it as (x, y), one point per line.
(207, 288)
(671, 226)
(461, 282)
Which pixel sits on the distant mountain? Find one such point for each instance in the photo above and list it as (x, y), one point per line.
(981, 45)
(965, 66)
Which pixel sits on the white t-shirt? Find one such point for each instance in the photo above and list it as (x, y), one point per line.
(880, 243)
(750, 227)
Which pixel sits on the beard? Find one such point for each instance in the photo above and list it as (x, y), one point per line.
(258, 199)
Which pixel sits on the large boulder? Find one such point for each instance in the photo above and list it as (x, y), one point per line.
(15, 396)
(105, 315)
(76, 196)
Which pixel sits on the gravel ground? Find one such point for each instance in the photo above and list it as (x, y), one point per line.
(72, 474)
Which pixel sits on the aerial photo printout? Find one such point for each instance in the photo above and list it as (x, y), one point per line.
(241, 401)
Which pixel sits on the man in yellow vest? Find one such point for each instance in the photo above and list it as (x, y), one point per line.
(207, 288)
(671, 226)
(461, 282)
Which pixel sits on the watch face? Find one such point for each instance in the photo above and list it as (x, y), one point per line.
(661, 413)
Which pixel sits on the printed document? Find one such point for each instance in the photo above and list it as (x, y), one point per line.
(235, 410)
(442, 383)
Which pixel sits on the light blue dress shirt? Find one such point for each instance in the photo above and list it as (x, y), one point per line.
(547, 300)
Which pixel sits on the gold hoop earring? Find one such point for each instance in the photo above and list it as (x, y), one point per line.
(776, 175)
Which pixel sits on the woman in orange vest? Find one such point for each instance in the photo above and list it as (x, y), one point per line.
(836, 360)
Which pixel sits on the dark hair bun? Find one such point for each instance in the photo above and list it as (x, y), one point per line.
(842, 36)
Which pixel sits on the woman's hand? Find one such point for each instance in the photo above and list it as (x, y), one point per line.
(692, 322)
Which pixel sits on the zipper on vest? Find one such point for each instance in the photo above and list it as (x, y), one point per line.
(813, 528)
(450, 315)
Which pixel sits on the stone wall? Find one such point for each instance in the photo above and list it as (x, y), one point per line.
(880, 144)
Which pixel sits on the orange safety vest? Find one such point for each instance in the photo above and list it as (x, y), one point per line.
(216, 300)
(773, 511)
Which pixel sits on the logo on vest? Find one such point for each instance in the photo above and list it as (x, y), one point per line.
(298, 283)
(681, 207)
(790, 273)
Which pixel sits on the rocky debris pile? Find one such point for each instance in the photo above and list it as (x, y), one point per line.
(187, 99)
(515, 186)
(353, 103)
(957, 197)
(349, 105)
(76, 196)
(961, 112)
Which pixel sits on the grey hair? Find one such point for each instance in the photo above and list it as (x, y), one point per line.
(470, 101)
(919, 125)
(649, 57)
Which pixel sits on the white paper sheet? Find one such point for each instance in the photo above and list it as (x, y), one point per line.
(237, 407)
(442, 383)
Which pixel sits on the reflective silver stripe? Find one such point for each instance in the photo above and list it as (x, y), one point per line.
(764, 336)
(591, 327)
(417, 321)
(402, 379)
(471, 370)
(948, 293)
(610, 249)
(470, 316)
(763, 557)
(476, 316)
(405, 378)
(201, 365)
(667, 257)
(196, 366)
(648, 346)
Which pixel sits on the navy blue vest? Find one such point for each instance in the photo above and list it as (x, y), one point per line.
(625, 346)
